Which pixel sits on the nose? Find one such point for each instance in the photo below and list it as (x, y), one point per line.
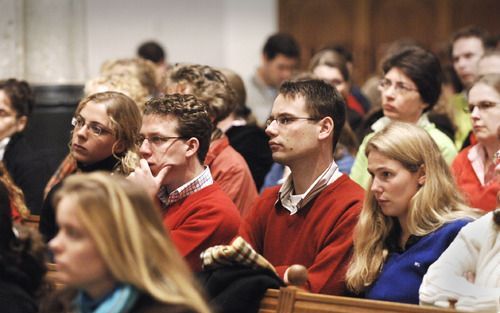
(145, 150)
(375, 187)
(55, 244)
(82, 131)
(271, 129)
(475, 113)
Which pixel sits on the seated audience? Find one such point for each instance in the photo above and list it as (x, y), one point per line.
(113, 254)
(106, 127)
(174, 140)
(26, 166)
(412, 212)
(22, 262)
(244, 135)
(228, 167)
(309, 219)
(411, 86)
(474, 166)
(468, 271)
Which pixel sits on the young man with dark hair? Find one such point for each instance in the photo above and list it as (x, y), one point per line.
(280, 58)
(174, 140)
(154, 52)
(467, 47)
(310, 218)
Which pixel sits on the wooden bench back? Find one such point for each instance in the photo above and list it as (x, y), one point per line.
(294, 300)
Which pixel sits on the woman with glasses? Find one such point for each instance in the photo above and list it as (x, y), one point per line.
(474, 167)
(27, 168)
(112, 252)
(411, 213)
(410, 87)
(106, 127)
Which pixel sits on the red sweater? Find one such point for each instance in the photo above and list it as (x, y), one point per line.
(478, 196)
(318, 236)
(204, 219)
(230, 170)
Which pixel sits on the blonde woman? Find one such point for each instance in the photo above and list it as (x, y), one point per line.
(106, 128)
(113, 253)
(412, 212)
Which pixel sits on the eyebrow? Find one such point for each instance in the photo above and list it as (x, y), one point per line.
(92, 122)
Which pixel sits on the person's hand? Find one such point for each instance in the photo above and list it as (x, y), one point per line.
(143, 177)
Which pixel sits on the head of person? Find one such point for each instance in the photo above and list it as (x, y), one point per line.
(467, 46)
(411, 84)
(207, 84)
(16, 104)
(106, 124)
(306, 115)
(280, 58)
(142, 69)
(126, 84)
(489, 63)
(484, 106)
(152, 51)
(412, 186)
(111, 232)
(175, 133)
(331, 66)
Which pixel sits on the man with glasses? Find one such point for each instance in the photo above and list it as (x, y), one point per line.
(309, 219)
(173, 141)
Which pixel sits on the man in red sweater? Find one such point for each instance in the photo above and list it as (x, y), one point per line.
(310, 218)
(174, 141)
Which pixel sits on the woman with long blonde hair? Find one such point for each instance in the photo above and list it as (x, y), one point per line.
(113, 253)
(412, 212)
(106, 128)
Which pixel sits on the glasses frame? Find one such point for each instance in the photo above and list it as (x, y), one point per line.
(399, 88)
(284, 120)
(156, 140)
(482, 106)
(95, 128)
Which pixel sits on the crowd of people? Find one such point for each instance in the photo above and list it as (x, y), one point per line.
(392, 197)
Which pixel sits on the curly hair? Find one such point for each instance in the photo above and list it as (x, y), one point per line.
(144, 70)
(192, 116)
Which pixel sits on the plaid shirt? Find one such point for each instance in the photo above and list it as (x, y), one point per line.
(196, 184)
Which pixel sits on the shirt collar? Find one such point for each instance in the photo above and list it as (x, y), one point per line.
(382, 122)
(3, 144)
(293, 204)
(196, 184)
(477, 158)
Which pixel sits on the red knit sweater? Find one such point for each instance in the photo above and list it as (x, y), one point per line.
(478, 196)
(318, 236)
(204, 219)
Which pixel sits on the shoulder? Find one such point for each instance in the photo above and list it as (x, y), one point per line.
(450, 229)
(146, 304)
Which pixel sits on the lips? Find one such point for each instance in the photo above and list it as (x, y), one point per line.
(274, 146)
(77, 147)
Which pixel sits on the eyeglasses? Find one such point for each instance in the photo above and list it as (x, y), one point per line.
(156, 140)
(482, 106)
(96, 129)
(399, 87)
(5, 113)
(284, 120)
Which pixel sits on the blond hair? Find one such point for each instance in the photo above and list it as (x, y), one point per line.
(434, 204)
(142, 69)
(128, 233)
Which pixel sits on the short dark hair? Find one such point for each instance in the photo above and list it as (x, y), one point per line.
(422, 67)
(20, 94)
(471, 31)
(281, 43)
(321, 99)
(152, 51)
(192, 117)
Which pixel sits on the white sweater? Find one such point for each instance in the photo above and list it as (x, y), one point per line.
(476, 249)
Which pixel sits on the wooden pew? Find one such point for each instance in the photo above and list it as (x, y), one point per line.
(292, 299)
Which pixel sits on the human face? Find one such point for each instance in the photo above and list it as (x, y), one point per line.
(169, 153)
(401, 100)
(279, 69)
(10, 123)
(466, 53)
(333, 76)
(79, 264)
(297, 140)
(393, 185)
(86, 146)
(485, 103)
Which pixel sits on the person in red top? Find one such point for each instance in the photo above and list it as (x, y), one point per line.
(308, 220)
(173, 141)
(474, 167)
(229, 168)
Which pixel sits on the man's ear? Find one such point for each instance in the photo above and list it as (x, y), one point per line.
(193, 145)
(21, 123)
(421, 178)
(326, 125)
